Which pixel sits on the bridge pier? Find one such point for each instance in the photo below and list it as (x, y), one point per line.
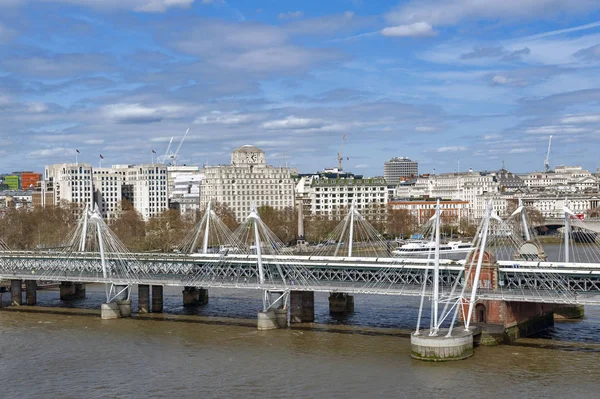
(568, 312)
(302, 306)
(341, 303)
(157, 299)
(16, 297)
(193, 296)
(143, 298)
(31, 292)
(67, 290)
(504, 321)
(79, 290)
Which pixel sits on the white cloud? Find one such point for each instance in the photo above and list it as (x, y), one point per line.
(592, 118)
(452, 149)
(37, 107)
(417, 29)
(555, 130)
(94, 141)
(225, 118)
(492, 137)
(51, 152)
(452, 12)
(425, 129)
(291, 15)
(138, 113)
(292, 122)
(521, 150)
(151, 6)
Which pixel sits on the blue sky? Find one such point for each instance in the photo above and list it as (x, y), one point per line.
(480, 81)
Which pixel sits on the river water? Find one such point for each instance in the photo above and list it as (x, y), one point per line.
(366, 354)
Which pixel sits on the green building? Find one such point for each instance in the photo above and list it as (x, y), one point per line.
(12, 182)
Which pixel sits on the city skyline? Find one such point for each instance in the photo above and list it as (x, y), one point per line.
(434, 81)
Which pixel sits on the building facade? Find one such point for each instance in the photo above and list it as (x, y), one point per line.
(453, 212)
(247, 182)
(71, 182)
(108, 191)
(397, 169)
(325, 194)
(145, 186)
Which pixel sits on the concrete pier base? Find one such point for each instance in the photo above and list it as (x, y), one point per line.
(110, 311)
(16, 293)
(157, 299)
(79, 290)
(193, 296)
(267, 320)
(31, 292)
(441, 348)
(143, 298)
(124, 306)
(568, 312)
(281, 317)
(341, 303)
(302, 306)
(67, 290)
(122, 292)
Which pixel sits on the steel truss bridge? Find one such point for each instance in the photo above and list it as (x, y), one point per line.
(523, 281)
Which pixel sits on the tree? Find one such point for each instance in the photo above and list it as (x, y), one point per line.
(225, 214)
(593, 212)
(283, 223)
(165, 231)
(129, 227)
(400, 222)
(467, 228)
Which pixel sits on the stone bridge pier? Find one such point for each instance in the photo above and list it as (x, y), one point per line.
(503, 321)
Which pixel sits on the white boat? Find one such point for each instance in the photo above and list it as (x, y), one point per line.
(424, 247)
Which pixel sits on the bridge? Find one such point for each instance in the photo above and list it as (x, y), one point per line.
(501, 269)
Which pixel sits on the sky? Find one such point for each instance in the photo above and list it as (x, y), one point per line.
(454, 84)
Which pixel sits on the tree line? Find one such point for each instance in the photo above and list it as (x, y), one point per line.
(33, 228)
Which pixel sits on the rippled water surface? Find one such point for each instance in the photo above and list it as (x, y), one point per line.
(74, 356)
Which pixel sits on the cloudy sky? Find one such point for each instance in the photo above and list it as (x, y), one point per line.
(480, 81)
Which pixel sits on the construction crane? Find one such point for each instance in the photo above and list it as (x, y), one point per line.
(340, 157)
(170, 155)
(547, 160)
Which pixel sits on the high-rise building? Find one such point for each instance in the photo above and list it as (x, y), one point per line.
(145, 186)
(397, 169)
(108, 191)
(248, 181)
(71, 182)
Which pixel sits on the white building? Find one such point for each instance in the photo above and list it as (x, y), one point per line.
(327, 195)
(248, 181)
(71, 182)
(108, 190)
(145, 186)
(563, 179)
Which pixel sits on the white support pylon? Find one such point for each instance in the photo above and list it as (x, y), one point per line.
(351, 234)
(436, 272)
(206, 230)
(84, 230)
(484, 232)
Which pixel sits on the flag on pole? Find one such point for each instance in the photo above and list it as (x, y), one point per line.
(77, 150)
(101, 157)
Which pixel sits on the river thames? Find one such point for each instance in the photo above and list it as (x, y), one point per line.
(198, 353)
